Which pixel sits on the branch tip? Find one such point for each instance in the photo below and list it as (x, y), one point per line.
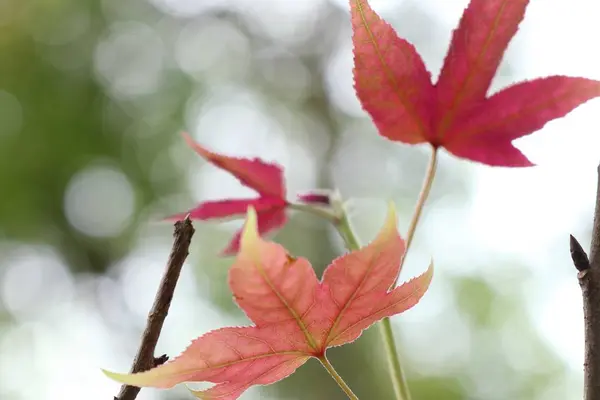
(160, 360)
(578, 255)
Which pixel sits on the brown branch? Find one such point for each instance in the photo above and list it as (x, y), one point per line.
(144, 359)
(589, 280)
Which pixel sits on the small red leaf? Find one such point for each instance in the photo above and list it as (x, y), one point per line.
(296, 316)
(390, 78)
(265, 178)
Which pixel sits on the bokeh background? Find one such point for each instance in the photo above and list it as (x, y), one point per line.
(93, 96)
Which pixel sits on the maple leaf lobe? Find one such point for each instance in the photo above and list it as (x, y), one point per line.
(518, 110)
(390, 78)
(266, 178)
(477, 47)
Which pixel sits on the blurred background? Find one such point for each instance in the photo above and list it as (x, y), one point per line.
(93, 96)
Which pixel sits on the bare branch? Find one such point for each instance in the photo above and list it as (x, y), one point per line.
(144, 359)
(589, 280)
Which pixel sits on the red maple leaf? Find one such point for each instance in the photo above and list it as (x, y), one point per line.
(295, 316)
(395, 88)
(265, 178)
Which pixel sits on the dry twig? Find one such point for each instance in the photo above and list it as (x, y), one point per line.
(144, 359)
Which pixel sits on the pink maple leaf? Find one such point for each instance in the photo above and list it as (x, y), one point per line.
(295, 316)
(396, 89)
(265, 178)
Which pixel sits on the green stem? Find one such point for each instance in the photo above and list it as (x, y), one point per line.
(425, 189)
(337, 378)
(352, 243)
(347, 233)
(340, 220)
(318, 211)
(396, 372)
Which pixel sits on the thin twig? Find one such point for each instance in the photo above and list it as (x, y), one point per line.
(589, 280)
(144, 359)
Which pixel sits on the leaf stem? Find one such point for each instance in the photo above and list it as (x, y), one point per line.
(337, 378)
(347, 233)
(399, 379)
(396, 373)
(340, 220)
(318, 211)
(425, 189)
